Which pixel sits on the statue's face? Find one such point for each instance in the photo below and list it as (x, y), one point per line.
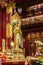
(14, 22)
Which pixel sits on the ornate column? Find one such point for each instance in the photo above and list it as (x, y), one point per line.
(8, 27)
(9, 36)
(26, 45)
(3, 21)
(0, 29)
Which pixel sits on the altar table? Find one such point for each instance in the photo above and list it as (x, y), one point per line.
(14, 63)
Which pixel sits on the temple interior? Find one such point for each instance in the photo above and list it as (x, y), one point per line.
(21, 32)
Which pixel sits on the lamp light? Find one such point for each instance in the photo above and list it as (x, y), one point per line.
(12, 44)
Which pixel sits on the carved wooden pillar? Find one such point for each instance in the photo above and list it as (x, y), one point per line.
(4, 23)
(0, 28)
(8, 28)
(26, 46)
(8, 31)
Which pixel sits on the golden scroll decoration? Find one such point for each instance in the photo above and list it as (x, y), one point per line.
(3, 45)
(10, 7)
(8, 30)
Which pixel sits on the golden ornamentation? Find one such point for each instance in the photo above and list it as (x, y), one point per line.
(16, 24)
(3, 45)
(10, 7)
(8, 30)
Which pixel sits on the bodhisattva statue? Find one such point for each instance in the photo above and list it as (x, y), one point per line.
(17, 32)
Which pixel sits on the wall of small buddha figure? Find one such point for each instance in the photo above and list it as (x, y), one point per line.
(30, 44)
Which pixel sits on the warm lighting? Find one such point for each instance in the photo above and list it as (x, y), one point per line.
(38, 42)
(10, 7)
(9, 10)
(3, 3)
(12, 43)
(34, 19)
(3, 45)
(35, 7)
(28, 36)
(8, 30)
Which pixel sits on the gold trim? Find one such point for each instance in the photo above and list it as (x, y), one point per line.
(15, 17)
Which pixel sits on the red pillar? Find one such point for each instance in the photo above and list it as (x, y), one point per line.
(26, 45)
(0, 28)
(4, 24)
